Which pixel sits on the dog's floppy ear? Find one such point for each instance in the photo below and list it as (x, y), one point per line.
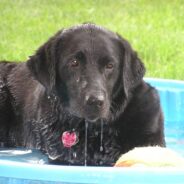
(43, 64)
(133, 69)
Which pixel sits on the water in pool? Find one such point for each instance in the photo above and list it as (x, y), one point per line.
(23, 155)
(174, 140)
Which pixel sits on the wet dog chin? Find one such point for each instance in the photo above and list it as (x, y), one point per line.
(92, 119)
(95, 117)
(88, 115)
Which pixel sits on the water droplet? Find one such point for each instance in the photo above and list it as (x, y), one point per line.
(86, 143)
(96, 133)
(101, 162)
(74, 154)
(1, 84)
(101, 148)
(101, 137)
(77, 80)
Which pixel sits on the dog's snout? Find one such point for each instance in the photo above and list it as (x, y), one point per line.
(95, 100)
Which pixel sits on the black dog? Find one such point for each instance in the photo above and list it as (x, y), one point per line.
(81, 99)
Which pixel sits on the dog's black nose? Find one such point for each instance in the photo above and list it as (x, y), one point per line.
(97, 100)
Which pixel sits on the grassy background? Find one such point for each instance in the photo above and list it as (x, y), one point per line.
(155, 28)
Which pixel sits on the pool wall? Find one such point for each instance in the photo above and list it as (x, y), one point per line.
(172, 101)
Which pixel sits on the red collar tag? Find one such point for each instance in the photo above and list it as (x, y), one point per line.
(69, 139)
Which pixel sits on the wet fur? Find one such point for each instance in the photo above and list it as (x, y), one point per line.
(33, 114)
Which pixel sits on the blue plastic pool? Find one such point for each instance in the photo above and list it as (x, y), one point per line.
(21, 167)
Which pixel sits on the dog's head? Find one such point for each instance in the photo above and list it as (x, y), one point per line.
(88, 67)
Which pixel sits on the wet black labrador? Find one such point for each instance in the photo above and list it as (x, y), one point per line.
(80, 98)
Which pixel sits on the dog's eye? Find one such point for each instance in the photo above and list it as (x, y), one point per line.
(109, 66)
(74, 63)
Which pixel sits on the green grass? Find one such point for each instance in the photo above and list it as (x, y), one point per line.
(155, 28)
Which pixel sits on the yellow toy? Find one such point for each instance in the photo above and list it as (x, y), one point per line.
(151, 157)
